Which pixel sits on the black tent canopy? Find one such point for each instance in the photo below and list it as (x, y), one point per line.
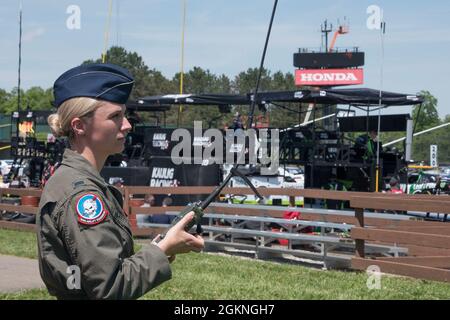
(193, 99)
(358, 97)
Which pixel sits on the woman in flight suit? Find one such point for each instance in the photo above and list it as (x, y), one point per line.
(84, 240)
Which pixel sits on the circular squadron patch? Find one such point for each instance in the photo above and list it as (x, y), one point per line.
(90, 209)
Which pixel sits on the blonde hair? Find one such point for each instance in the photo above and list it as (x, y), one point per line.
(59, 122)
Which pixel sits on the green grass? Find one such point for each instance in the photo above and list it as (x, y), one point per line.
(18, 243)
(34, 294)
(23, 244)
(207, 276)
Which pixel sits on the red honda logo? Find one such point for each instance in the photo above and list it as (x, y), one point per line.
(326, 77)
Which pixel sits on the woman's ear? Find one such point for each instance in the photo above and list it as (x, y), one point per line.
(78, 126)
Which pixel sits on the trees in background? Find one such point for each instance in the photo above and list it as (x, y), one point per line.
(199, 81)
(34, 98)
(427, 118)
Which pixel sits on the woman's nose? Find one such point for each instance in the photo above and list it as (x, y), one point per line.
(126, 126)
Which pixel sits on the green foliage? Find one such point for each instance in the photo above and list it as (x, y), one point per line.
(199, 81)
(147, 81)
(440, 137)
(245, 83)
(4, 96)
(34, 98)
(428, 118)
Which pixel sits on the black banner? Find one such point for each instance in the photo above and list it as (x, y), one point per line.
(164, 173)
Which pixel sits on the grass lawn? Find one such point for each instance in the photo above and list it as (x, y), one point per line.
(208, 276)
(18, 243)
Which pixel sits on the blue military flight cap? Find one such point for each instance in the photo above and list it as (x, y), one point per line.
(98, 80)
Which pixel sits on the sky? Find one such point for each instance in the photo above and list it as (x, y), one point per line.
(227, 37)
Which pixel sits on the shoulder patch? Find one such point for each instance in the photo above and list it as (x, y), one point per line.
(90, 209)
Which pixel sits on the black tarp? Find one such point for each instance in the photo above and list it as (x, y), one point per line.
(193, 99)
(357, 96)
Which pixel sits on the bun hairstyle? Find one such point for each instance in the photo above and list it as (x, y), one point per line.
(79, 107)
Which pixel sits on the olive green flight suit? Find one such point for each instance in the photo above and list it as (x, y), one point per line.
(102, 250)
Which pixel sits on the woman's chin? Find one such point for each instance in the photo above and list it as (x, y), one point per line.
(118, 148)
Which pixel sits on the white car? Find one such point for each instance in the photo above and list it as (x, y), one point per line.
(5, 166)
(295, 173)
(265, 182)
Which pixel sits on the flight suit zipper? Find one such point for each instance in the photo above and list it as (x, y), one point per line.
(118, 217)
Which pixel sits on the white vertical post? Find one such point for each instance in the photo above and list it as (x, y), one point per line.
(433, 156)
(409, 137)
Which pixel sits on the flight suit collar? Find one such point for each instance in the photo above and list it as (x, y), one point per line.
(76, 161)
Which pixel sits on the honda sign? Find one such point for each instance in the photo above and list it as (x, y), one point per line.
(327, 77)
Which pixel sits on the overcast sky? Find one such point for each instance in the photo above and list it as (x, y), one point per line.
(227, 36)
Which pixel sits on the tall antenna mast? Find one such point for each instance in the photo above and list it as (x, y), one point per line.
(20, 63)
(117, 22)
(107, 32)
(382, 32)
(180, 109)
(324, 29)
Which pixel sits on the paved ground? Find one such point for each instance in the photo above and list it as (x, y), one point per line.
(18, 274)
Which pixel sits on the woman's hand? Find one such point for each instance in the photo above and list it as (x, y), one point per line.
(177, 240)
